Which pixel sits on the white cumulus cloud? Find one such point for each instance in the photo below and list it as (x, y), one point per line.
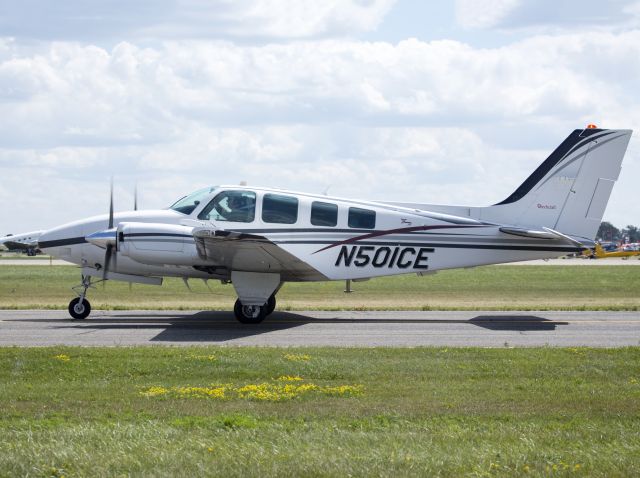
(547, 14)
(113, 20)
(437, 121)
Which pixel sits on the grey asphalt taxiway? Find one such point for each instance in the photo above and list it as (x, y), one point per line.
(361, 328)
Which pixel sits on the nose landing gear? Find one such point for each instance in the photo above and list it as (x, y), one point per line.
(80, 308)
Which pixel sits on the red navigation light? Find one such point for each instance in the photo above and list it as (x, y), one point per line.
(591, 126)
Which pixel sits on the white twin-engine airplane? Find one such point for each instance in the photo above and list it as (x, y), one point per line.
(259, 238)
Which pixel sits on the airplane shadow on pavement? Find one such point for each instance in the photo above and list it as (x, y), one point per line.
(215, 326)
(515, 322)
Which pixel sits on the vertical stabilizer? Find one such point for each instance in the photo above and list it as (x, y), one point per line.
(569, 191)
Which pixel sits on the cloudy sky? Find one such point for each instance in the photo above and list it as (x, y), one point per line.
(443, 102)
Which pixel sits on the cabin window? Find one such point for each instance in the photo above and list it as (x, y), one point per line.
(324, 214)
(231, 206)
(362, 218)
(279, 209)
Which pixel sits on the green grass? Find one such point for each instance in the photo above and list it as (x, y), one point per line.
(421, 412)
(482, 288)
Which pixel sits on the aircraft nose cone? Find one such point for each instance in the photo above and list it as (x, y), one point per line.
(103, 238)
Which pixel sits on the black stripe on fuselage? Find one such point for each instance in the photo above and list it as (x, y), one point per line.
(156, 234)
(574, 141)
(446, 246)
(300, 229)
(62, 242)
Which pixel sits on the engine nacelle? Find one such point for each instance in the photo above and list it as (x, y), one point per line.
(157, 243)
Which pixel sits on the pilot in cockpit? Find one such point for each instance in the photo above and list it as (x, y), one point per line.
(236, 208)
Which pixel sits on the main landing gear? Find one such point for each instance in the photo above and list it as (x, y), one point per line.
(256, 293)
(80, 308)
(254, 314)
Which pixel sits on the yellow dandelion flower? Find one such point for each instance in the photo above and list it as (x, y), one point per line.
(342, 390)
(62, 357)
(270, 392)
(307, 387)
(297, 357)
(255, 391)
(199, 392)
(210, 358)
(289, 378)
(154, 392)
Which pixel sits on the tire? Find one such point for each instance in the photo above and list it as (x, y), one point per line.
(249, 314)
(79, 311)
(271, 304)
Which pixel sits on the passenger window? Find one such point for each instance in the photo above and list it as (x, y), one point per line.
(232, 206)
(362, 218)
(324, 214)
(279, 209)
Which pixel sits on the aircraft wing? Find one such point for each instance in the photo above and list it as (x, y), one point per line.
(248, 252)
(15, 246)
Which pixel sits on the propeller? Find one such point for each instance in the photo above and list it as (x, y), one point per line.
(109, 250)
(108, 238)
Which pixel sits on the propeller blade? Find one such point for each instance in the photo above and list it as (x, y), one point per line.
(111, 206)
(107, 261)
(135, 197)
(109, 251)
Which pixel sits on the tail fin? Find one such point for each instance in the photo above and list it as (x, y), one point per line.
(599, 251)
(569, 191)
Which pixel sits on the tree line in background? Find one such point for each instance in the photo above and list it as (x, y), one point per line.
(610, 233)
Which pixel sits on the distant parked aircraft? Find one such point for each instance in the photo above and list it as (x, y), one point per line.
(27, 242)
(599, 253)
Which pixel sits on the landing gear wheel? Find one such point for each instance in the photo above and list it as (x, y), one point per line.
(249, 314)
(79, 309)
(271, 304)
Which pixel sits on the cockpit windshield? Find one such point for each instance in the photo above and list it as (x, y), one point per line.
(187, 204)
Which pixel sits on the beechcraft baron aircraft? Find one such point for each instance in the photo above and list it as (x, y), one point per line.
(259, 238)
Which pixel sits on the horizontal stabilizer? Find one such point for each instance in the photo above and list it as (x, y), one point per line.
(546, 233)
(517, 231)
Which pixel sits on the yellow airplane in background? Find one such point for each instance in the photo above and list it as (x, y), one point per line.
(600, 253)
